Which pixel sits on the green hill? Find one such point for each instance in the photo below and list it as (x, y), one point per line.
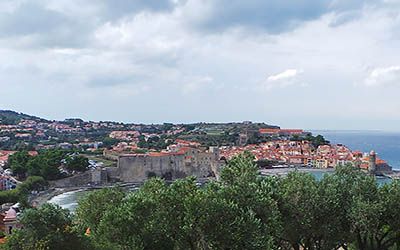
(9, 117)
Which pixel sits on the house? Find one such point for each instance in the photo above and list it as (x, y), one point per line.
(7, 182)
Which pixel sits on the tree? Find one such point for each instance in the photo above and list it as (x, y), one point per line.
(296, 202)
(344, 210)
(240, 169)
(317, 140)
(375, 215)
(9, 196)
(77, 163)
(202, 219)
(108, 142)
(33, 183)
(18, 163)
(139, 222)
(49, 227)
(255, 195)
(94, 205)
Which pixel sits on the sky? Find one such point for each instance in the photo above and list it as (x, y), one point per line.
(332, 64)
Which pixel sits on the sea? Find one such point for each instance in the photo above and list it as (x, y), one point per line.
(385, 144)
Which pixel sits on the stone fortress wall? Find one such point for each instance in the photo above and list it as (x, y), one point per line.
(193, 162)
(139, 167)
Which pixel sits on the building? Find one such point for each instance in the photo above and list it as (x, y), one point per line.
(10, 220)
(7, 182)
(281, 132)
(186, 161)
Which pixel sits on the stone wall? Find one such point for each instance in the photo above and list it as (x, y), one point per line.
(173, 166)
(94, 177)
(138, 168)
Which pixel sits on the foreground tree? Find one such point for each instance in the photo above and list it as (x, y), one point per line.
(375, 217)
(297, 198)
(49, 227)
(94, 205)
(344, 210)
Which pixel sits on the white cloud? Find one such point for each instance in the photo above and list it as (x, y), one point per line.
(284, 79)
(384, 76)
(285, 75)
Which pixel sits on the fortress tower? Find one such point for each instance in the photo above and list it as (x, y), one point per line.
(372, 163)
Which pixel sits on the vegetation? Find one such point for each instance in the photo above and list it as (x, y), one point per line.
(77, 163)
(9, 117)
(20, 194)
(157, 143)
(49, 227)
(344, 210)
(46, 164)
(317, 140)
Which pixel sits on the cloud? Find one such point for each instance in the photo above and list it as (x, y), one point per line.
(384, 76)
(65, 23)
(285, 75)
(210, 55)
(271, 16)
(284, 79)
(196, 84)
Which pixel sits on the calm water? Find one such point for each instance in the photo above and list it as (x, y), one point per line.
(386, 144)
(379, 179)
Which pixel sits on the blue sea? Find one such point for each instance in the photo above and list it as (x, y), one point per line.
(385, 144)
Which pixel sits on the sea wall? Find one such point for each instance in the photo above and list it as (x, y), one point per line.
(93, 177)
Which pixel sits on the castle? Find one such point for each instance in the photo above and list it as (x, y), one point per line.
(185, 161)
(176, 162)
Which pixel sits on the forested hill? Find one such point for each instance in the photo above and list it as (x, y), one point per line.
(9, 117)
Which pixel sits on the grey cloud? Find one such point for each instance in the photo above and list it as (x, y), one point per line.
(42, 27)
(30, 18)
(114, 80)
(273, 16)
(39, 24)
(118, 8)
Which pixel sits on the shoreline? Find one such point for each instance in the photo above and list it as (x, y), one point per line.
(45, 196)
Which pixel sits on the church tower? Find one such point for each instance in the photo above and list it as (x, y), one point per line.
(372, 163)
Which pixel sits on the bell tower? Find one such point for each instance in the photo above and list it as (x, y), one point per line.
(372, 163)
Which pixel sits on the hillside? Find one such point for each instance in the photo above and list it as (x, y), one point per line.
(9, 117)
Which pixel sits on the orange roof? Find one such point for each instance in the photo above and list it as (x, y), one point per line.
(277, 131)
(268, 130)
(157, 154)
(33, 153)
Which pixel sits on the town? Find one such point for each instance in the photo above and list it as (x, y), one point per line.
(110, 141)
(103, 153)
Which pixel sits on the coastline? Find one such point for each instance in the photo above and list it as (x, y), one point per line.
(44, 196)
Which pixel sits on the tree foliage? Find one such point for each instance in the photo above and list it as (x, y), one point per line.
(344, 210)
(49, 227)
(46, 164)
(77, 163)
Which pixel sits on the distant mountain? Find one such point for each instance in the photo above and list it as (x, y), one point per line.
(9, 117)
